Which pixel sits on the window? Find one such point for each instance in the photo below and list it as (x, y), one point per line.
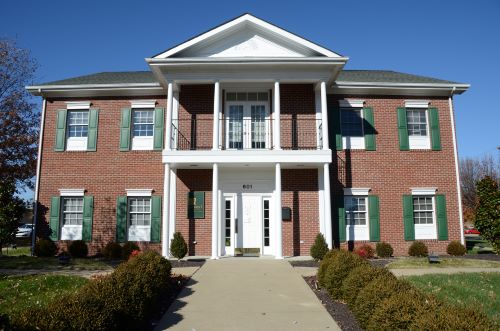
(72, 211)
(267, 235)
(355, 210)
(417, 122)
(78, 123)
(423, 210)
(228, 223)
(143, 123)
(140, 211)
(351, 121)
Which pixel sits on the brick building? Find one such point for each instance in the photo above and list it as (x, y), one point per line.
(248, 138)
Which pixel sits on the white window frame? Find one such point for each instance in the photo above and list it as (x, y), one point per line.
(76, 143)
(138, 232)
(360, 232)
(349, 142)
(419, 142)
(142, 143)
(425, 231)
(70, 231)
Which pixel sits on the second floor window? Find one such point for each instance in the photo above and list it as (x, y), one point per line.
(143, 123)
(78, 123)
(351, 122)
(417, 122)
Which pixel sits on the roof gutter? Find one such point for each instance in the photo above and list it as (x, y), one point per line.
(40, 90)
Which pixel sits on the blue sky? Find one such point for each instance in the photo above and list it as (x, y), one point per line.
(455, 40)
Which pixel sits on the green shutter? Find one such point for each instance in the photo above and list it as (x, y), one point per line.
(158, 131)
(374, 217)
(442, 222)
(336, 126)
(155, 219)
(125, 129)
(404, 143)
(434, 129)
(409, 224)
(55, 209)
(369, 129)
(88, 216)
(339, 205)
(60, 130)
(121, 219)
(92, 130)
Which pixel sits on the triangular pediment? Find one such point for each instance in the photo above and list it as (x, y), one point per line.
(247, 36)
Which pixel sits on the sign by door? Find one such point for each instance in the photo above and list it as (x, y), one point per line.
(196, 205)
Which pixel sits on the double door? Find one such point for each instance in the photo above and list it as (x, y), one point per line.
(248, 125)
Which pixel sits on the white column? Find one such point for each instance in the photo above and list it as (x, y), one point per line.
(276, 117)
(321, 201)
(165, 242)
(173, 197)
(215, 139)
(327, 204)
(277, 213)
(168, 122)
(215, 210)
(324, 116)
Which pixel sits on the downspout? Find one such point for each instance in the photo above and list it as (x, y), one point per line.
(37, 181)
(457, 170)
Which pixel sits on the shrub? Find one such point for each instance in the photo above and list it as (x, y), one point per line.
(319, 248)
(372, 295)
(45, 248)
(399, 311)
(357, 279)
(112, 251)
(323, 267)
(365, 251)
(120, 301)
(127, 249)
(456, 248)
(178, 246)
(384, 249)
(418, 248)
(78, 248)
(342, 263)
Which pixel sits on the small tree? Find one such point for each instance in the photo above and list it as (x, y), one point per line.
(488, 211)
(178, 247)
(11, 211)
(320, 248)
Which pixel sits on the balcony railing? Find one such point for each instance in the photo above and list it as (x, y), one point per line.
(247, 134)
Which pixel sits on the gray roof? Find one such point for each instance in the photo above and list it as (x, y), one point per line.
(345, 76)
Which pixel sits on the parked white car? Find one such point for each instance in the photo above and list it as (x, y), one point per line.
(24, 231)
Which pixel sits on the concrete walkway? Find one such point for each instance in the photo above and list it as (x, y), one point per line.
(247, 294)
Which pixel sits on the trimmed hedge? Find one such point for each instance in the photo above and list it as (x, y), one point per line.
(384, 249)
(447, 317)
(319, 248)
(112, 251)
(323, 267)
(128, 248)
(419, 249)
(342, 263)
(357, 280)
(45, 248)
(456, 248)
(123, 300)
(78, 248)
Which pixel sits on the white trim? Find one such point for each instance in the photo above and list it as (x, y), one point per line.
(417, 103)
(72, 192)
(142, 103)
(356, 191)
(165, 247)
(328, 207)
(215, 211)
(277, 213)
(423, 190)
(351, 103)
(132, 192)
(457, 172)
(70, 105)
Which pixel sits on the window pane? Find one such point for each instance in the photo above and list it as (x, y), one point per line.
(351, 122)
(143, 123)
(417, 123)
(140, 211)
(78, 122)
(355, 210)
(423, 210)
(72, 211)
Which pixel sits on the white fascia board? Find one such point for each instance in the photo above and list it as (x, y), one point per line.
(142, 103)
(351, 103)
(72, 192)
(356, 191)
(423, 190)
(417, 103)
(396, 90)
(258, 22)
(139, 192)
(248, 157)
(77, 105)
(247, 60)
(96, 90)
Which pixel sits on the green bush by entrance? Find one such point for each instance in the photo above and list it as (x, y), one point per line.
(319, 248)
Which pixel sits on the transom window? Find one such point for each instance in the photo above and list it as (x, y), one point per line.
(78, 123)
(355, 210)
(143, 123)
(139, 211)
(351, 121)
(417, 122)
(72, 211)
(423, 210)
(247, 96)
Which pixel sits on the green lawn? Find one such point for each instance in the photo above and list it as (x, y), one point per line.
(23, 292)
(52, 263)
(422, 262)
(8, 251)
(475, 290)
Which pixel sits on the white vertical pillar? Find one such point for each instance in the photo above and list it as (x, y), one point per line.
(168, 122)
(165, 242)
(321, 201)
(276, 117)
(327, 204)
(173, 197)
(277, 213)
(215, 138)
(215, 210)
(324, 116)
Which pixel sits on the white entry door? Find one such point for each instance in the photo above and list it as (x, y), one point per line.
(251, 221)
(247, 125)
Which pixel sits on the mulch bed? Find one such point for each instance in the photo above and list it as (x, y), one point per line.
(187, 263)
(339, 311)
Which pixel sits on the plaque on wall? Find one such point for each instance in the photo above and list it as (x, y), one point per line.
(196, 205)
